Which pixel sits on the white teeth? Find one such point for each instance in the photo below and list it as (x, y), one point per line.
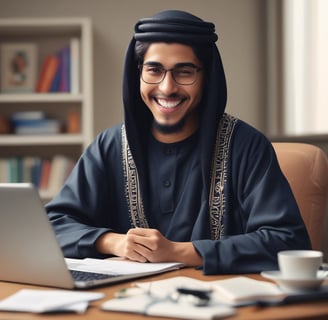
(168, 104)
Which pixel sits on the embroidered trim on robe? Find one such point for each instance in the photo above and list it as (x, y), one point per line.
(219, 176)
(132, 186)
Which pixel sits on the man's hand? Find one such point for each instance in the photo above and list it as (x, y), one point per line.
(148, 245)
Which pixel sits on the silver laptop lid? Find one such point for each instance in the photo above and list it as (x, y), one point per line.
(29, 250)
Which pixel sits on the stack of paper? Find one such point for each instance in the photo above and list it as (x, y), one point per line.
(41, 301)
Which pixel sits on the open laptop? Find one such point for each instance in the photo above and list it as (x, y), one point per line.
(29, 250)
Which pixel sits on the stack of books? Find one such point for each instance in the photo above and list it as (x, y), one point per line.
(34, 122)
(60, 70)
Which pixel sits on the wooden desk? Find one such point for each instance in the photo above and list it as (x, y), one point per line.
(312, 310)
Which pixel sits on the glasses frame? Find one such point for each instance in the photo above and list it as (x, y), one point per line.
(166, 71)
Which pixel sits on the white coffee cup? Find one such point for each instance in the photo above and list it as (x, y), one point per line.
(299, 264)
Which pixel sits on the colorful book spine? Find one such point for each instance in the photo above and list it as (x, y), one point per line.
(4, 177)
(73, 122)
(64, 81)
(44, 126)
(60, 169)
(27, 116)
(47, 74)
(28, 165)
(75, 65)
(45, 174)
(55, 82)
(60, 72)
(36, 172)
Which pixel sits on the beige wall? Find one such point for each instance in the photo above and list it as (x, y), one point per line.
(240, 25)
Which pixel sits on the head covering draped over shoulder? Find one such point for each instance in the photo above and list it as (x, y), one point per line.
(180, 27)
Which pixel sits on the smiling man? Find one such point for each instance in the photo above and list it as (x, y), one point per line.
(171, 87)
(180, 179)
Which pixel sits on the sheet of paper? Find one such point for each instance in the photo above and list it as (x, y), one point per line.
(40, 301)
(119, 266)
(245, 289)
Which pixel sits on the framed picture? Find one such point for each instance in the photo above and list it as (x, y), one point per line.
(18, 67)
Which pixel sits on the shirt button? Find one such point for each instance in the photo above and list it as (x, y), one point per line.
(166, 183)
(168, 151)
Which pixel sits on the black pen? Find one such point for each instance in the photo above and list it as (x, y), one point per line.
(201, 294)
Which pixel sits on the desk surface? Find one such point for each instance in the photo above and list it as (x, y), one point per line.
(311, 310)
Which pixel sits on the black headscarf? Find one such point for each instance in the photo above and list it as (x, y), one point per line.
(181, 27)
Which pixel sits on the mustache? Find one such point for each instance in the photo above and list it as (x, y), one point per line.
(171, 96)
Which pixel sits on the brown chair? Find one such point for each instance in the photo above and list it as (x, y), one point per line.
(306, 169)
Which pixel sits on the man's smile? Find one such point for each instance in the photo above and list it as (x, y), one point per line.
(169, 103)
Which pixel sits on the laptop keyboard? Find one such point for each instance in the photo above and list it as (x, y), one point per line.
(89, 276)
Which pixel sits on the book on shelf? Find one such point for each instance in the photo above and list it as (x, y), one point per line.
(75, 65)
(61, 167)
(73, 122)
(60, 71)
(4, 124)
(12, 169)
(36, 172)
(47, 73)
(29, 164)
(37, 127)
(15, 169)
(16, 117)
(34, 122)
(46, 174)
(64, 80)
(55, 82)
(3, 170)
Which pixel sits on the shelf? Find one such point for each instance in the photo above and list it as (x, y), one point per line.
(40, 97)
(31, 26)
(48, 35)
(58, 139)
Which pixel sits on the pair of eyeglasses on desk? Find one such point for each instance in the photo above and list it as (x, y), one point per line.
(195, 297)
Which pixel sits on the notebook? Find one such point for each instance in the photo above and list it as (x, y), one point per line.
(30, 252)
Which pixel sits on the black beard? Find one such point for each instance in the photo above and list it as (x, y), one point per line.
(169, 129)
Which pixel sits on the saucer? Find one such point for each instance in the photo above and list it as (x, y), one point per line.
(295, 284)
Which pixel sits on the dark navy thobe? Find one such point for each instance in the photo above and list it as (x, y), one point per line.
(259, 214)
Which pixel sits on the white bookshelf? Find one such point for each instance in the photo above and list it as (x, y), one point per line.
(49, 34)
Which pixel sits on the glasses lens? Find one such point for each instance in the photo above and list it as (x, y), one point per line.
(152, 74)
(184, 75)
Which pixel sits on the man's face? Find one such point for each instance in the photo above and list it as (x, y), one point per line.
(173, 105)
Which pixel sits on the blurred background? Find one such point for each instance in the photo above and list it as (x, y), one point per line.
(257, 40)
(274, 53)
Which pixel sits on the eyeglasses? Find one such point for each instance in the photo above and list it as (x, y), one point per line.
(183, 75)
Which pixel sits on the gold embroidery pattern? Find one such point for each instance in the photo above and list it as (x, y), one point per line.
(219, 175)
(218, 179)
(132, 189)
